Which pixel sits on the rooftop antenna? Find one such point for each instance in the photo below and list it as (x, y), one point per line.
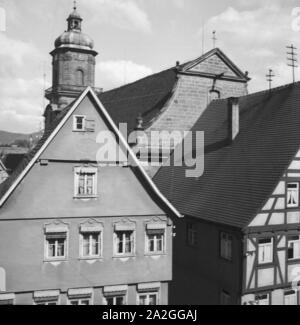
(203, 37)
(270, 77)
(44, 82)
(214, 38)
(292, 59)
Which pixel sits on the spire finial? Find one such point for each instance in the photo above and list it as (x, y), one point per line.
(75, 5)
(214, 38)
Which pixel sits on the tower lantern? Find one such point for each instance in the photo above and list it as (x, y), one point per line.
(73, 64)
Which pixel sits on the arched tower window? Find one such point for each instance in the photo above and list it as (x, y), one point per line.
(79, 77)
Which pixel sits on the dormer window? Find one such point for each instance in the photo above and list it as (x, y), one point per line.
(79, 123)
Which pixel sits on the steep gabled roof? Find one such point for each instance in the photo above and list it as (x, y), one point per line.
(233, 67)
(145, 97)
(238, 177)
(7, 188)
(148, 96)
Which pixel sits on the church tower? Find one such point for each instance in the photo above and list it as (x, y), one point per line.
(73, 64)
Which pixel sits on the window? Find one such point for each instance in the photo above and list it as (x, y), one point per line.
(46, 303)
(80, 297)
(86, 182)
(79, 123)
(226, 246)
(115, 301)
(56, 245)
(124, 242)
(148, 299)
(290, 298)
(46, 298)
(293, 195)
(7, 299)
(79, 302)
(191, 234)
(263, 300)
(79, 76)
(91, 244)
(265, 251)
(293, 247)
(225, 299)
(155, 239)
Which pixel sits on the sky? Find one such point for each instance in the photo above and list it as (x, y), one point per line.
(136, 38)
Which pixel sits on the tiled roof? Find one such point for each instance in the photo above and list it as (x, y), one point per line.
(149, 95)
(238, 177)
(144, 97)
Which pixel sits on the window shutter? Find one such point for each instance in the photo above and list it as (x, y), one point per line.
(90, 125)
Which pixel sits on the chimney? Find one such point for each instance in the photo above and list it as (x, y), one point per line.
(49, 115)
(233, 118)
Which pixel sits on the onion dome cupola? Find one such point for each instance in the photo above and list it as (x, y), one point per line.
(73, 63)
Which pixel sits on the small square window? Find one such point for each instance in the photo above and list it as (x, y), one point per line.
(56, 244)
(265, 251)
(124, 242)
(293, 195)
(226, 246)
(79, 123)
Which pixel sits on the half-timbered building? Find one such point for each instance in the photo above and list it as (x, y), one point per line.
(239, 242)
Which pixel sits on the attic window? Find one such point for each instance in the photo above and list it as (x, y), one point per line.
(79, 123)
(82, 123)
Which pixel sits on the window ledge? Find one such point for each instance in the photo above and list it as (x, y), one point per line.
(155, 254)
(89, 197)
(120, 257)
(55, 260)
(91, 259)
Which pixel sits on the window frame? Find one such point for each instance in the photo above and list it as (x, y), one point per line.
(288, 247)
(268, 299)
(48, 258)
(192, 234)
(147, 242)
(115, 297)
(80, 300)
(296, 205)
(116, 243)
(100, 244)
(85, 170)
(75, 128)
(148, 294)
(226, 252)
(263, 245)
(295, 295)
